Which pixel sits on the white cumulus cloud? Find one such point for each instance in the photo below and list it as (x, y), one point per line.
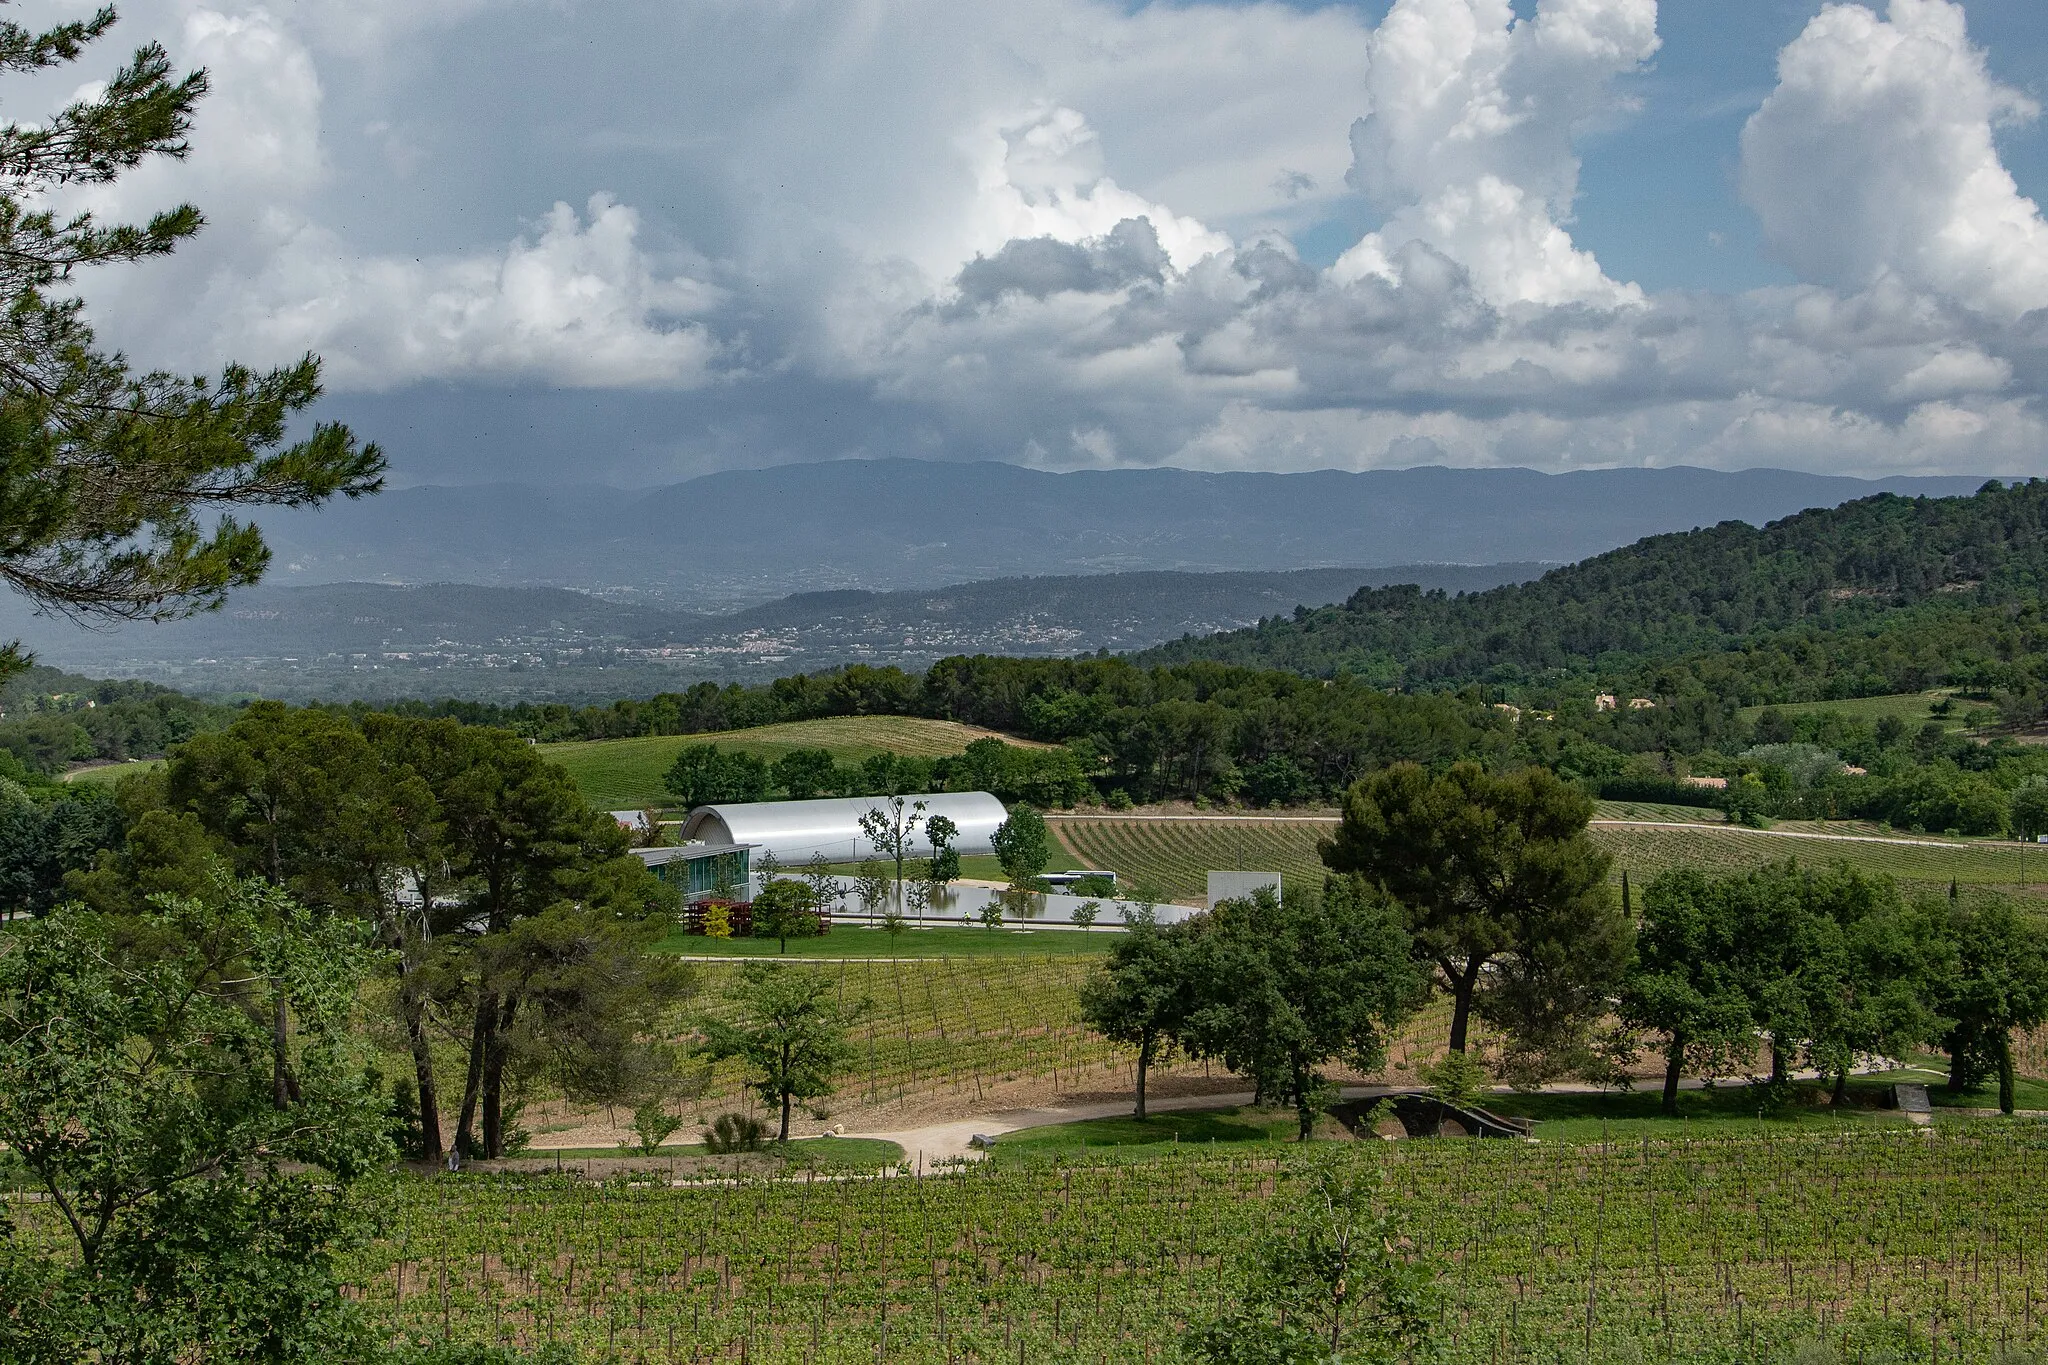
(575, 303)
(1467, 143)
(1874, 157)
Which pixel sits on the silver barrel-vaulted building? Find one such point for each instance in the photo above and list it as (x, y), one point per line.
(797, 831)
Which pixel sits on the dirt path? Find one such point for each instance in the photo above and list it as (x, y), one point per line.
(952, 1139)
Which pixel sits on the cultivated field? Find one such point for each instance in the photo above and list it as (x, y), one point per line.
(625, 774)
(1170, 858)
(1914, 708)
(1843, 1245)
(1174, 855)
(960, 1024)
(111, 773)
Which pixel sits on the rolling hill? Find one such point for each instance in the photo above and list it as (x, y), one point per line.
(375, 640)
(1854, 567)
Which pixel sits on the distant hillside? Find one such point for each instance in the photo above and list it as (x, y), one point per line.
(1666, 595)
(743, 537)
(380, 641)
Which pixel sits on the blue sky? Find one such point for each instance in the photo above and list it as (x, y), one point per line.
(635, 240)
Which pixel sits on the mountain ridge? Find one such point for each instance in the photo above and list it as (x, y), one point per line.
(743, 537)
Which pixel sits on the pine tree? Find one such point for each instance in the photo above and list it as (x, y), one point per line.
(104, 473)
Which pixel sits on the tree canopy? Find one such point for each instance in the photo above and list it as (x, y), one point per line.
(136, 1092)
(1505, 896)
(104, 473)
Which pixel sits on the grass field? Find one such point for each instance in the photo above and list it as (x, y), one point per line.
(1914, 708)
(1175, 855)
(1728, 1111)
(625, 774)
(110, 773)
(1835, 1244)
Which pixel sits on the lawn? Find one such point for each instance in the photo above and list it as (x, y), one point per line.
(864, 941)
(1932, 1072)
(1729, 1110)
(1159, 1133)
(625, 774)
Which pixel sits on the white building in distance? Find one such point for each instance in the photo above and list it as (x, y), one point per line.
(797, 831)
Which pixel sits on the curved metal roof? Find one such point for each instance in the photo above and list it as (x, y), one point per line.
(794, 831)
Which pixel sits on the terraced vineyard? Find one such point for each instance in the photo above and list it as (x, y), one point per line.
(1174, 855)
(625, 774)
(1859, 1244)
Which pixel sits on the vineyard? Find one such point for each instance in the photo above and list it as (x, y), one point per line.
(1174, 855)
(1879, 1243)
(1172, 858)
(964, 1025)
(1646, 852)
(957, 1025)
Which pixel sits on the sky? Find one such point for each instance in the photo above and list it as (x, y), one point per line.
(633, 241)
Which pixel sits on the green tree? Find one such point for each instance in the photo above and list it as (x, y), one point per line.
(2001, 984)
(583, 1002)
(1504, 896)
(1686, 982)
(890, 828)
(822, 883)
(804, 773)
(944, 864)
(42, 842)
(136, 1094)
(525, 841)
(1338, 1283)
(1023, 846)
(2030, 808)
(1455, 1080)
(789, 1029)
(1141, 995)
(1284, 985)
(703, 775)
(871, 885)
(782, 911)
(106, 473)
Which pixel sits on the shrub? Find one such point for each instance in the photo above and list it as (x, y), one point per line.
(735, 1132)
(654, 1125)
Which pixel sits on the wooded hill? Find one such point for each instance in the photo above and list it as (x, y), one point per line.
(1835, 578)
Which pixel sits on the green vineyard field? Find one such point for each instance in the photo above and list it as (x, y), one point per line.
(1171, 858)
(1849, 1245)
(963, 1025)
(1175, 855)
(958, 1025)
